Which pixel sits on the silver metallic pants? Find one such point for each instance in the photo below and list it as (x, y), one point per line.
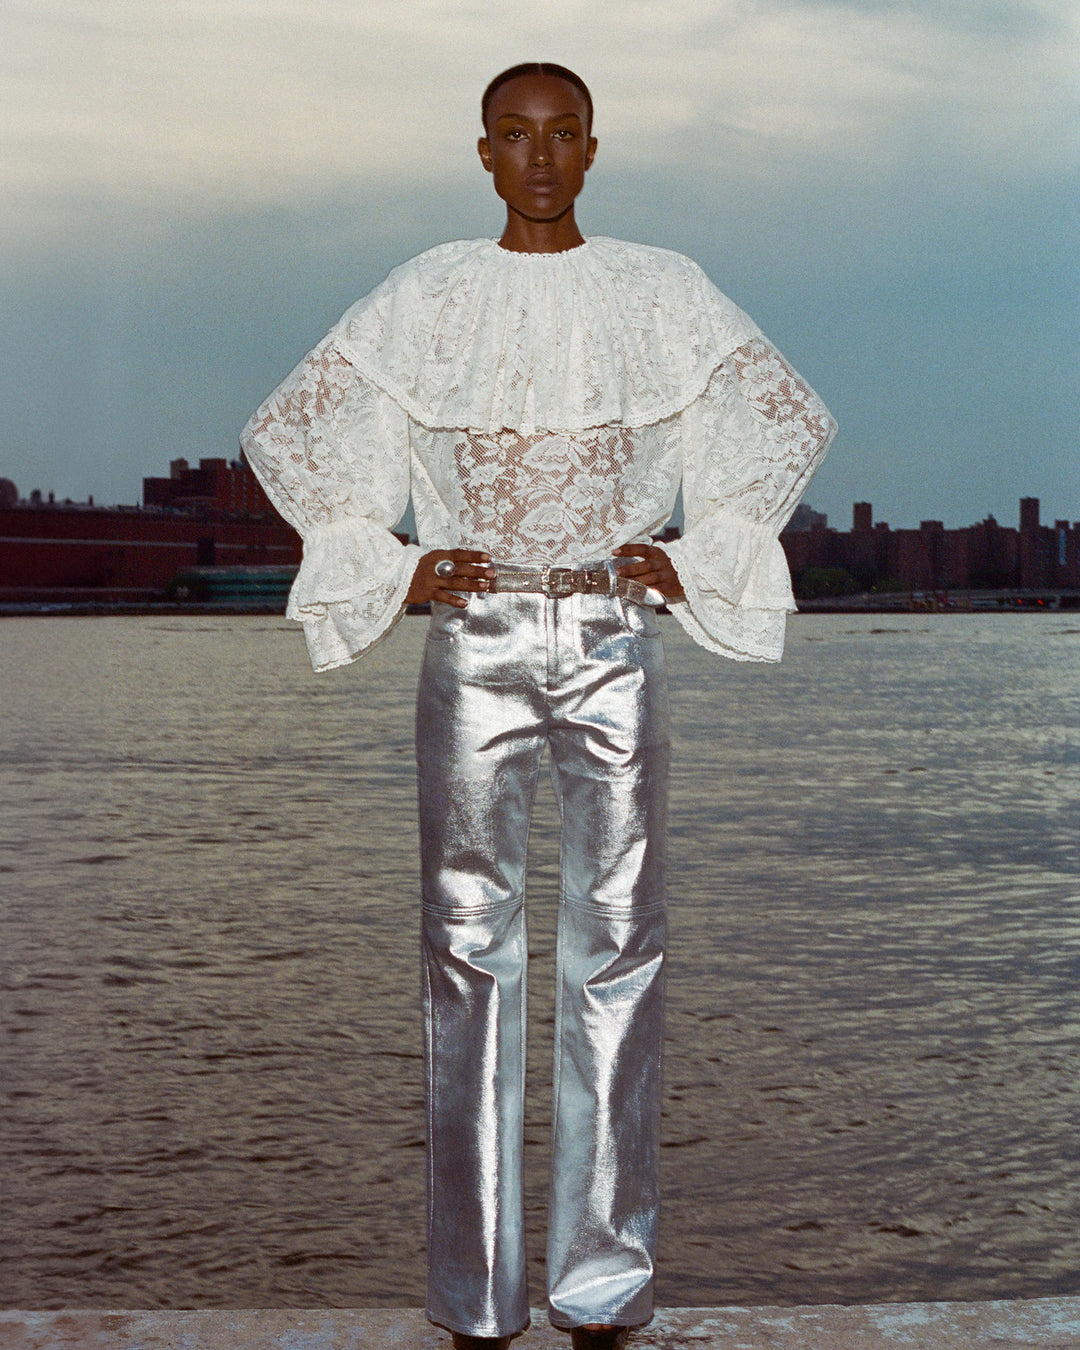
(501, 679)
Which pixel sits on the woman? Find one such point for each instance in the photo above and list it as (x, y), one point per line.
(543, 397)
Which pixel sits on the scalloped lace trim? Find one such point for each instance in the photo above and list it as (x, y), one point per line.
(333, 449)
(469, 335)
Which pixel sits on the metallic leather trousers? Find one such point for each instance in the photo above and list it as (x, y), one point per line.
(501, 680)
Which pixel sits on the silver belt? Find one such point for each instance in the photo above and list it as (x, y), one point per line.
(559, 582)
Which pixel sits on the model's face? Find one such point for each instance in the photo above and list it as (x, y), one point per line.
(537, 145)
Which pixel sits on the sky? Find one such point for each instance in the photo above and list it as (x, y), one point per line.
(192, 191)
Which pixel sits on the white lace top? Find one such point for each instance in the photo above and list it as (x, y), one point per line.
(544, 408)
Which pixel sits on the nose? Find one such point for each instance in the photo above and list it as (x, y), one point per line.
(541, 153)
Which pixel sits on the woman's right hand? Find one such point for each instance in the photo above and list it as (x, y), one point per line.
(472, 572)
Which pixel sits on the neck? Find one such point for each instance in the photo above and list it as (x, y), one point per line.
(523, 235)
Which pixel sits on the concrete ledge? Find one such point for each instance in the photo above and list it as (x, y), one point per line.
(1046, 1323)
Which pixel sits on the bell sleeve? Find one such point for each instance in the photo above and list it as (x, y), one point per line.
(332, 452)
(750, 445)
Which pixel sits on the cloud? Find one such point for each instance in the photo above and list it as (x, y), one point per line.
(875, 86)
(192, 190)
(258, 102)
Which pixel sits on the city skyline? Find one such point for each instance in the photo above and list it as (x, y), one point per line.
(805, 511)
(215, 518)
(191, 198)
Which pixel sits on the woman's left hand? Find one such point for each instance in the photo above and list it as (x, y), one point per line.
(652, 567)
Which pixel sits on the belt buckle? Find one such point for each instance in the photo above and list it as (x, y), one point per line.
(599, 581)
(558, 582)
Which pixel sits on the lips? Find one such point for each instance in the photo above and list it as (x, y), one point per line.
(541, 181)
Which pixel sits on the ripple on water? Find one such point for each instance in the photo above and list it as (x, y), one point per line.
(214, 1075)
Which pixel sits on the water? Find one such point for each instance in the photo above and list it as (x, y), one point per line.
(211, 1065)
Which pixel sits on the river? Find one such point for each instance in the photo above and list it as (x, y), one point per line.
(211, 1069)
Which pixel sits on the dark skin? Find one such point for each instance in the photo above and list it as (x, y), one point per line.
(537, 147)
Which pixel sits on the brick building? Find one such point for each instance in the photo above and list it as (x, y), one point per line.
(217, 515)
(214, 516)
(932, 558)
(216, 487)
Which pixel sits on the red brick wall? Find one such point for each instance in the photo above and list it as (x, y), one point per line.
(141, 550)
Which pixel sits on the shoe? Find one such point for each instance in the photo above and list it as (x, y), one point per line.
(463, 1341)
(596, 1337)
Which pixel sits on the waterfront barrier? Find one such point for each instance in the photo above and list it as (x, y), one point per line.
(1022, 1324)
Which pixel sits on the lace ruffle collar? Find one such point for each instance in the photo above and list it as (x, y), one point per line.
(470, 335)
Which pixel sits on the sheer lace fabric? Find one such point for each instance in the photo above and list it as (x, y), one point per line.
(700, 398)
(322, 446)
(606, 334)
(566, 498)
(751, 445)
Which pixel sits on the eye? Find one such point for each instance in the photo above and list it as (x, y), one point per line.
(514, 134)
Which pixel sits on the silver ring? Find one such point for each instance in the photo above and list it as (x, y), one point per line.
(444, 567)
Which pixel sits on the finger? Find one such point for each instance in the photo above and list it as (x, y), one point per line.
(660, 578)
(466, 575)
(644, 552)
(463, 570)
(469, 584)
(636, 569)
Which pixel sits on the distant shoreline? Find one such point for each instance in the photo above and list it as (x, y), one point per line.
(90, 609)
(1019, 603)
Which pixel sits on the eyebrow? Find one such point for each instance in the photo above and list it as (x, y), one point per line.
(524, 117)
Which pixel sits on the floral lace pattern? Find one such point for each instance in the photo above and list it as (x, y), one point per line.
(314, 443)
(562, 498)
(469, 335)
(318, 445)
(341, 443)
(787, 405)
(756, 436)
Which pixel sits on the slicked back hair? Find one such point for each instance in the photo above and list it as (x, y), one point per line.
(537, 68)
